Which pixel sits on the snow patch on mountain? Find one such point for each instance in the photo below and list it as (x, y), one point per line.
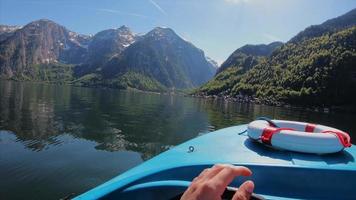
(8, 29)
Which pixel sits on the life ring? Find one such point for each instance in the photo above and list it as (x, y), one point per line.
(298, 136)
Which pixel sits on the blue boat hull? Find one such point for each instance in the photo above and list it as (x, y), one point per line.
(277, 174)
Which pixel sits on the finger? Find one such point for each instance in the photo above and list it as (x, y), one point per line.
(244, 192)
(211, 172)
(201, 175)
(225, 176)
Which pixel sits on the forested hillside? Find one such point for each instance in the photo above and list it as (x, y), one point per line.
(238, 63)
(332, 25)
(317, 69)
(249, 55)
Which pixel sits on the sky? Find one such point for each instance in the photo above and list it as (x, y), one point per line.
(217, 26)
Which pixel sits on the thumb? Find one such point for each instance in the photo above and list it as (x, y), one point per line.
(244, 192)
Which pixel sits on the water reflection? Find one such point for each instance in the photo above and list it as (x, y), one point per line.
(115, 120)
(119, 120)
(58, 139)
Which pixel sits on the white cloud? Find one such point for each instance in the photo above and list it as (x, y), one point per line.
(159, 8)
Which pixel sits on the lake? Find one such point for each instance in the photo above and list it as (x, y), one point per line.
(56, 140)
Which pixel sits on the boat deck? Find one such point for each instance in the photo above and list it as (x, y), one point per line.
(277, 174)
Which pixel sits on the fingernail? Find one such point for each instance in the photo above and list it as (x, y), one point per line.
(250, 186)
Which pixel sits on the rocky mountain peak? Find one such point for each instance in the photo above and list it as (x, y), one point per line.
(123, 34)
(162, 33)
(124, 29)
(8, 29)
(108, 44)
(41, 23)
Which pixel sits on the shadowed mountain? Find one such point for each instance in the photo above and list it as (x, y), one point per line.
(238, 63)
(163, 56)
(249, 55)
(332, 25)
(104, 46)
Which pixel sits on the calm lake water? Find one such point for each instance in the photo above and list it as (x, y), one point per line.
(56, 140)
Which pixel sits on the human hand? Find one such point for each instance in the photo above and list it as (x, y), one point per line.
(212, 182)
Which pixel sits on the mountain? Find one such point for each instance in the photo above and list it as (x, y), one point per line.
(109, 43)
(6, 31)
(46, 51)
(344, 21)
(317, 71)
(314, 68)
(39, 42)
(249, 55)
(237, 64)
(103, 47)
(163, 56)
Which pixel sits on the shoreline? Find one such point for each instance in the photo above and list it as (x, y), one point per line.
(227, 98)
(257, 101)
(169, 92)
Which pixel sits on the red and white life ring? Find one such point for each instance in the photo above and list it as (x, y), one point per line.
(298, 136)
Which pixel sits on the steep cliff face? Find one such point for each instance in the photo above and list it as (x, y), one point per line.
(39, 42)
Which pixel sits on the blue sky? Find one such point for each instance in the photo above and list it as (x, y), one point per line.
(216, 26)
